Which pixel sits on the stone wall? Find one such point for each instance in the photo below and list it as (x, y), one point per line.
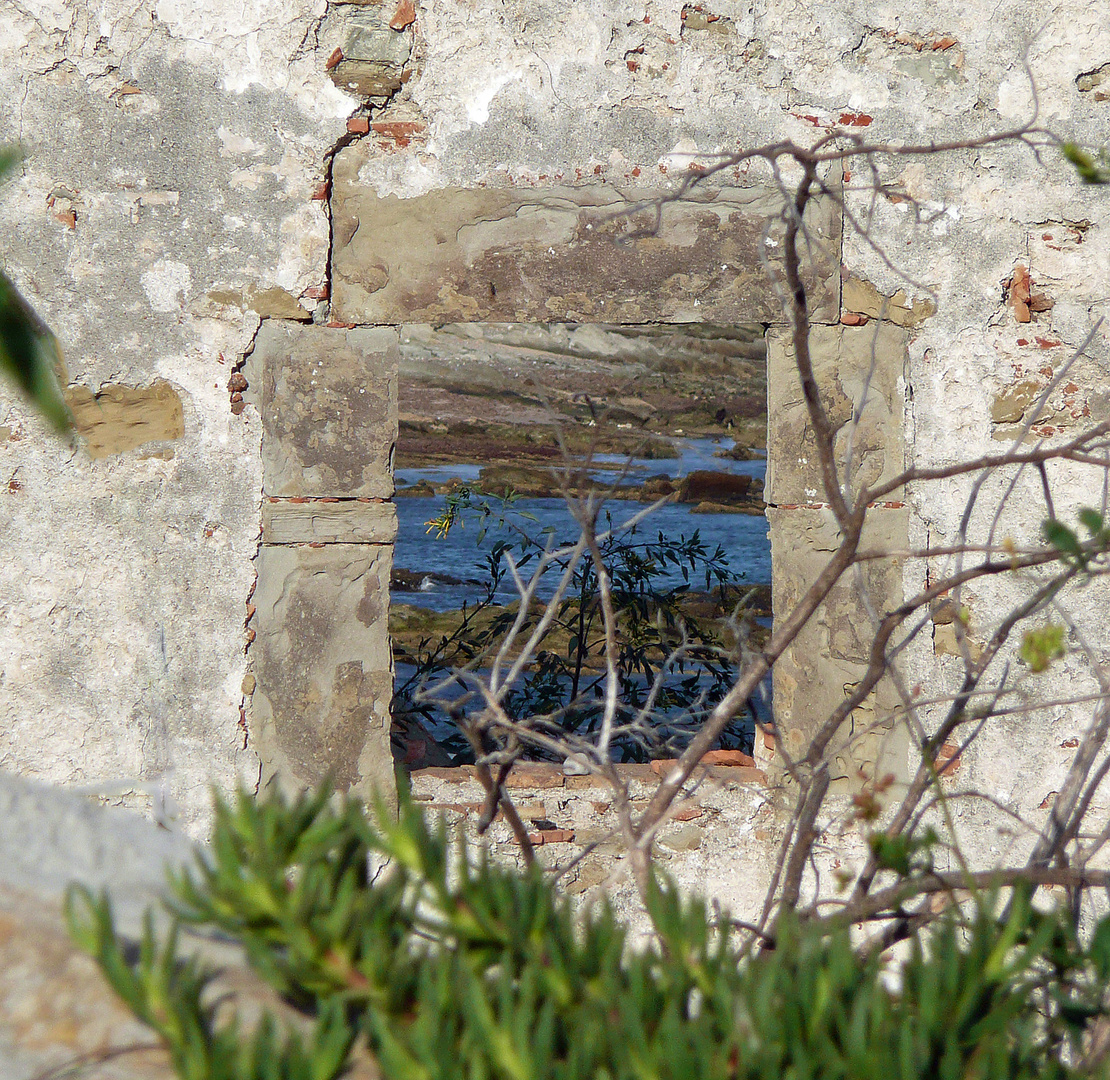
(223, 208)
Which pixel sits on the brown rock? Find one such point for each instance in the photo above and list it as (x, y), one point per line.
(404, 16)
(704, 485)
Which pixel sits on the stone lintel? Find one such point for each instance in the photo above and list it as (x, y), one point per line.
(562, 253)
(315, 522)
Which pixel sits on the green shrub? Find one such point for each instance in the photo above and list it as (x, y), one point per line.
(452, 966)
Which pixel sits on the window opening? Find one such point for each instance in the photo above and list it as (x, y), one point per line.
(493, 418)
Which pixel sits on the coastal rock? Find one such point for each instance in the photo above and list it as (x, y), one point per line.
(738, 452)
(709, 507)
(707, 486)
(401, 580)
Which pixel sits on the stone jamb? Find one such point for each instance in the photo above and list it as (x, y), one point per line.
(490, 265)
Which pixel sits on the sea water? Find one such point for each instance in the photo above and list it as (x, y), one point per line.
(742, 537)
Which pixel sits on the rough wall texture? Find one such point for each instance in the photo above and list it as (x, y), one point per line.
(164, 205)
(176, 192)
(564, 254)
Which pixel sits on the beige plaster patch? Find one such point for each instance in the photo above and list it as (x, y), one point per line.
(118, 418)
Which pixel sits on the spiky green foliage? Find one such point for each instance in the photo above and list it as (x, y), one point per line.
(167, 992)
(29, 352)
(451, 966)
(1093, 168)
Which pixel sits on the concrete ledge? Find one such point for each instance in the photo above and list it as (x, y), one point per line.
(58, 1016)
(536, 776)
(55, 1008)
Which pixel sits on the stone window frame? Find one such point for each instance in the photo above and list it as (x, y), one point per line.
(539, 254)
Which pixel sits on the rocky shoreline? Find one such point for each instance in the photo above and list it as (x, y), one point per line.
(710, 492)
(509, 394)
(412, 626)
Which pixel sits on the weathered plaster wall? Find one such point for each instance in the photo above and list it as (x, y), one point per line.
(164, 206)
(176, 193)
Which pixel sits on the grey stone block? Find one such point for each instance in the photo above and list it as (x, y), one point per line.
(324, 667)
(829, 657)
(329, 407)
(347, 522)
(58, 1015)
(50, 838)
(853, 366)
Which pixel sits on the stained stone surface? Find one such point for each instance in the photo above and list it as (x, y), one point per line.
(829, 657)
(119, 418)
(350, 521)
(856, 368)
(329, 408)
(563, 253)
(321, 707)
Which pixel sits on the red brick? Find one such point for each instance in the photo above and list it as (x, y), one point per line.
(642, 772)
(535, 776)
(460, 774)
(737, 774)
(852, 318)
(948, 759)
(727, 757)
(466, 809)
(397, 129)
(551, 836)
(358, 125)
(714, 759)
(404, 15)
(689, 814)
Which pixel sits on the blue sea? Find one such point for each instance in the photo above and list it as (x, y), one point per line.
(743, 537)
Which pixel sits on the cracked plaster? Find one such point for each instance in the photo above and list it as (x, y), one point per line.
(199, 139)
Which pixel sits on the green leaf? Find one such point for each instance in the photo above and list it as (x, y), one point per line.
(1090, 169)
(30, 356)
(1100, 949)
(1062, 538)
(29, 353)
(1040, 647)
(1091, 520)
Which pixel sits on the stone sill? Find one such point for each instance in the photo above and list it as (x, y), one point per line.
(573, 817)
(540, 776)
